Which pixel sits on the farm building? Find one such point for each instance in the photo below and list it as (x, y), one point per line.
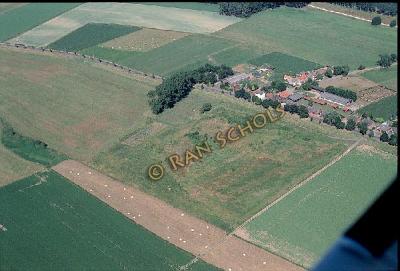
(284, 94)
(236, 79)
(317, 88)
(384, 127)
(332, 98)
(260, 95)
(295, 97)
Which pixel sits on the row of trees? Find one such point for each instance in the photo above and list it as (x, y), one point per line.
(382, 8)
(246, 9)
(346, 93)
(179, 85)
(300, 110)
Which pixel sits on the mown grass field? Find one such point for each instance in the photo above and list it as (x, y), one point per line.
(386, 77)
(302, 226)
(284, 63)
(90, 35)
(150, 16)
(231, 184)
(14, 167)
(53, 224)
(384, 108)
(313, 35)
(75, 107)
(8, 6)
(18, 20)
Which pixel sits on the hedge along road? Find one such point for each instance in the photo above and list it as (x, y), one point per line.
(196, 236)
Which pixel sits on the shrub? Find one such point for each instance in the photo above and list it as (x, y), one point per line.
(361, 67)
(393, 140)
(205, 107)
(393, 23)
(329, 73)
(376, 20)
(384, 137)
(350, 125)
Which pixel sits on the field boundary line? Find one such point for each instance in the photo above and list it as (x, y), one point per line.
(345, 14)
(297, 186)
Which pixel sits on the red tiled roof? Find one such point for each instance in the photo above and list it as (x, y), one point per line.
(284, 94)
(269, 95)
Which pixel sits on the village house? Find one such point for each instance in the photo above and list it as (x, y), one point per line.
(234, 80)
(384, 127)
(295, 97)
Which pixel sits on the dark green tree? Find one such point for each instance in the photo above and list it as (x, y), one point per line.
(393, 140)
(393, 23)
(205, 107)
(351, 124)
(363, 126)
(376, 20)
(384, 137)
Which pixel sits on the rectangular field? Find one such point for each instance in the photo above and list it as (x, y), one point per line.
(284, 63)
(150, 16)
(52, 224)
(231, 184)
(386, 77)
(76, 108)
(303, 225)
(317, 36)
(90, 35)
(144, 40)
(20, 19)
(185, 5)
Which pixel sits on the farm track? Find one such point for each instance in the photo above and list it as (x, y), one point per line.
(344, 14)
(196, 236)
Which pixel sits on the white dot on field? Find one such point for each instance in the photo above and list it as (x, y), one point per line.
(124, 197)
(90, 173)
(264, 262)
(105, 185)
(77, 173)
(109, 196)
(182, 214)
(131, 197)
(191, 229)
(180, 239)
(184, 241)
(124, 188)
(244, 254)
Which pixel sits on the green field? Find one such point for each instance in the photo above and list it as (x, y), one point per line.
(317, 36)
(149, 16)
(386, 77)
(74, 107)
(284, 63)
(302, 226)
(53, 224)
(384, 108)
(184, 5)
(18, 20)
(90, 35)
(231, 184)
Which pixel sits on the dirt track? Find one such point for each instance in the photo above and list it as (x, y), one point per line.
(198, 237)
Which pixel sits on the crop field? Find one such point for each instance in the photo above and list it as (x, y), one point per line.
(150, 16)
(231, 184)
(303, 225)
(144, 40)
(53, 224)
(14, 167)
(192, 50)
(23, 18)
(313, 35)
(384, 108)
(76, 108)
(284, 63)
(90, 35)
(185, 5)
(386, 77)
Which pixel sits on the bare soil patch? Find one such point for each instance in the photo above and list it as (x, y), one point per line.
(355, 83)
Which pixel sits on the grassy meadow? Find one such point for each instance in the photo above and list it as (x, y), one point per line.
(303, 225)
(52, 224)
(386, 77)
(75, 107)
(17, 20)
(384, 108)
(230, 184)
(313, 35)
(90, 35)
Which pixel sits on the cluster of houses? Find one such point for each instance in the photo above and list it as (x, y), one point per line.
(317, 95)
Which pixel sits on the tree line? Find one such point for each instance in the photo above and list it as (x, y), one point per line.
(381, 8)
(178, 85)
(345, 93)
(246, 9)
